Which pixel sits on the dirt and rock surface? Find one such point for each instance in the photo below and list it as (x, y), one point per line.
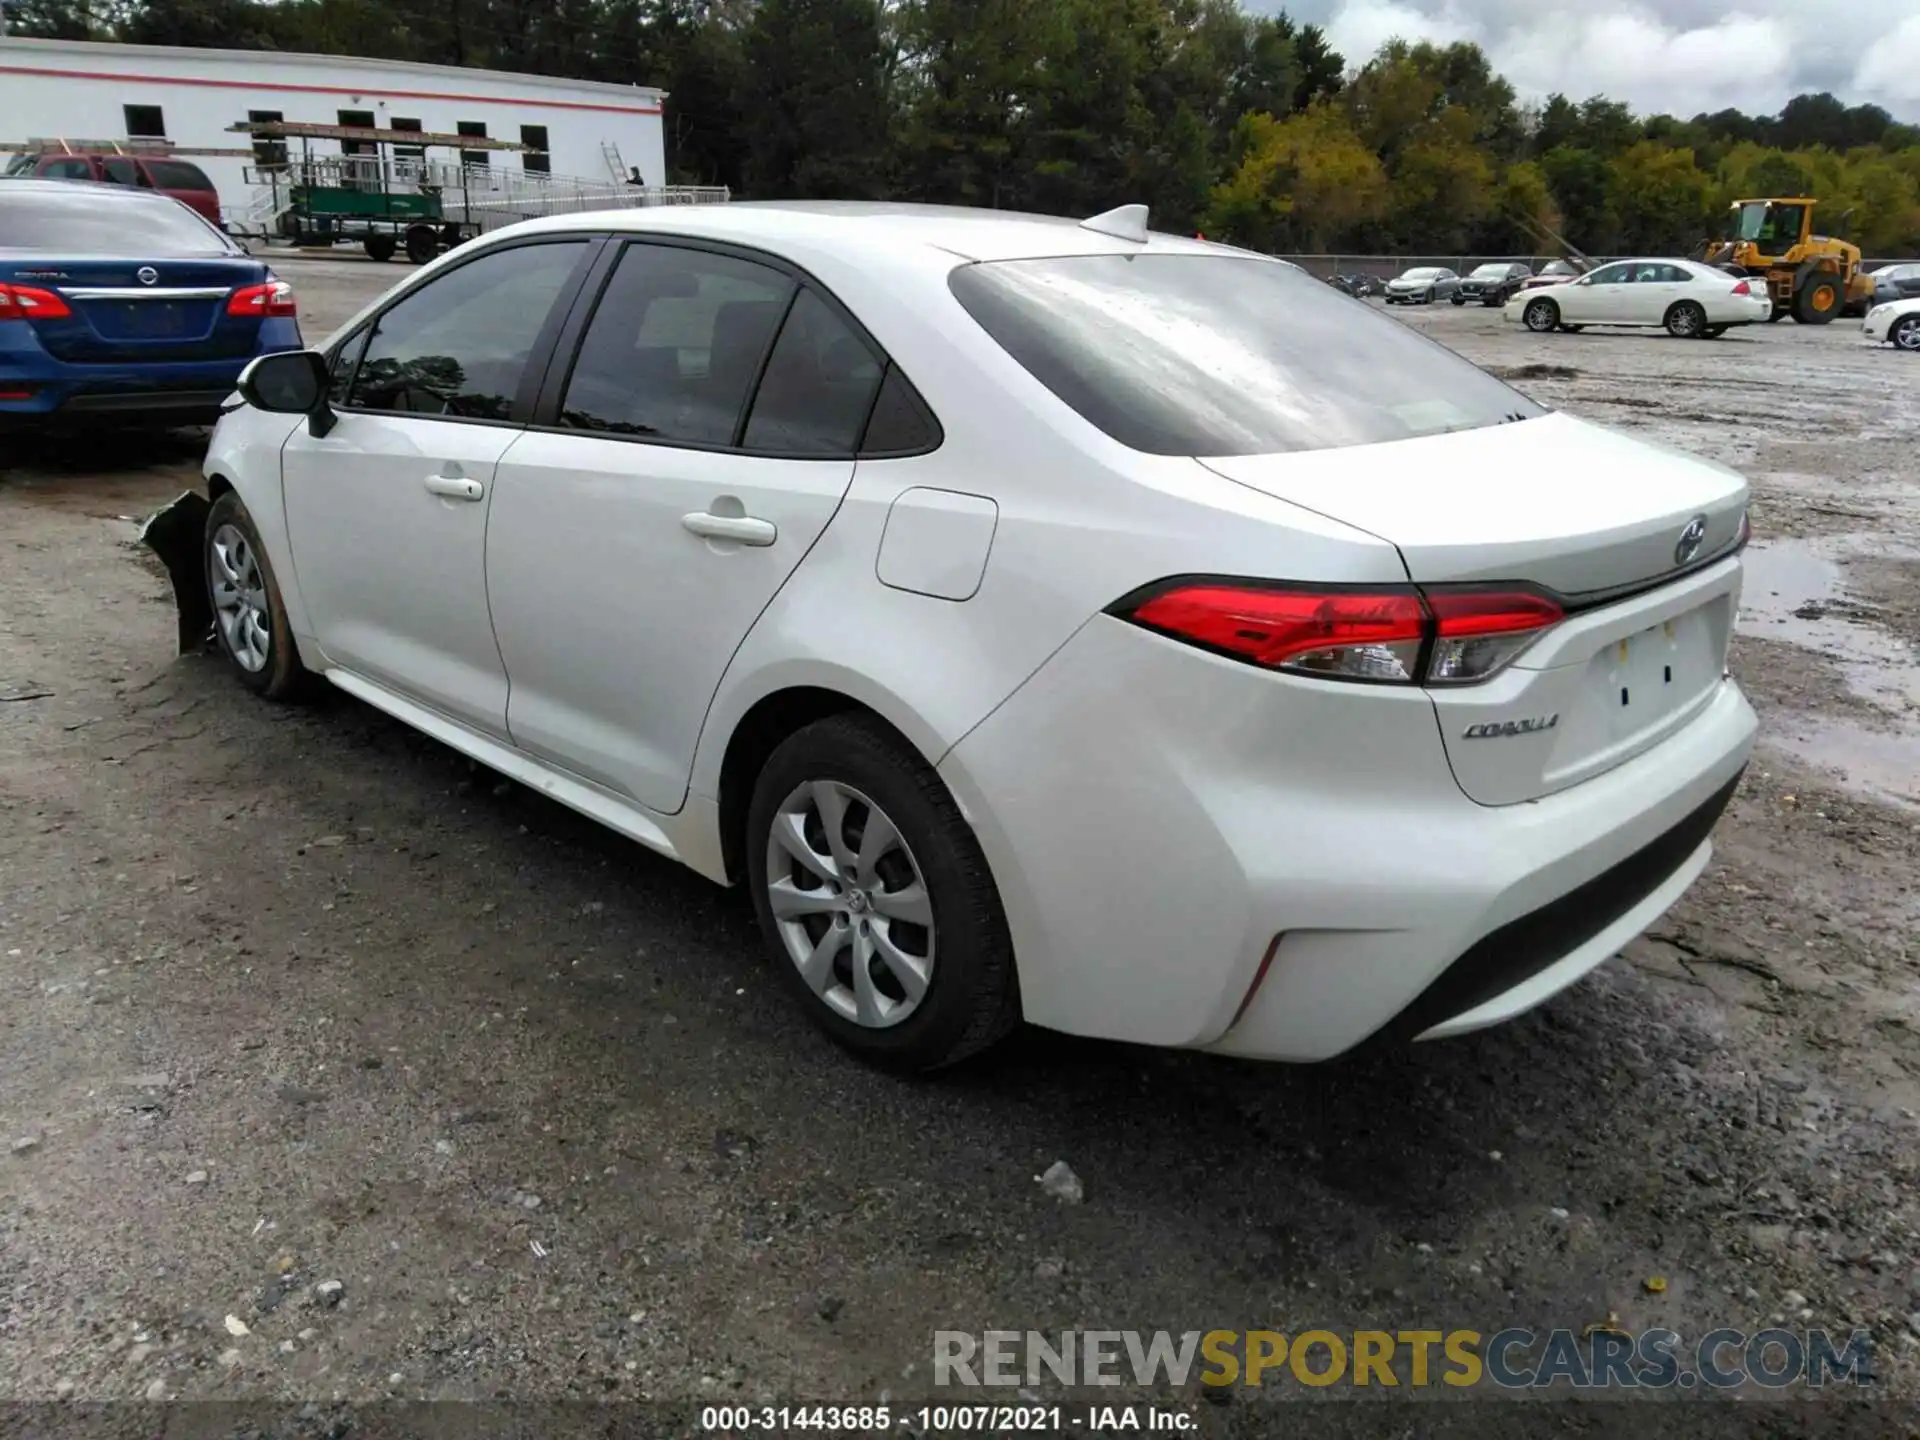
(333, 1070)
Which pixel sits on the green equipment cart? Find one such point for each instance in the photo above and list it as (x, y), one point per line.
(381, 190)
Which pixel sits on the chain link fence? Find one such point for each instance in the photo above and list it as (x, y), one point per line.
(1385, 267)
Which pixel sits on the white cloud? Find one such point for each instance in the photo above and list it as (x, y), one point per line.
(1890, 71)
(1678, 56)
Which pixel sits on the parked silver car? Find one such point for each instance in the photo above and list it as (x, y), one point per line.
(1895, 282)
(1422, 285)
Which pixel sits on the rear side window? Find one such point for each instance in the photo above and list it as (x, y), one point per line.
(1219, 355)
(818, 386)
(675, 345)
(177, 175)
(901, 423)
(458, 346)
(84, 221)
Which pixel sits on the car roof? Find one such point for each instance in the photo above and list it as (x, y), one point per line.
(861, 226)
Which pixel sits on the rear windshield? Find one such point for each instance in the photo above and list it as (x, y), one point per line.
(83, 220)
(1220, 355)
(177, 175)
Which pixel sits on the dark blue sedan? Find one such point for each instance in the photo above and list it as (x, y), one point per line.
(124, 307)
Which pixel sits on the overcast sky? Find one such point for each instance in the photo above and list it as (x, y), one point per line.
(1678, 56)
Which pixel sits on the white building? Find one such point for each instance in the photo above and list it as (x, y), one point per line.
(78, 89)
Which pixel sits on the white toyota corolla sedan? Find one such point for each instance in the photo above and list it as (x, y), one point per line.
(1041, 619)
(1692, 301)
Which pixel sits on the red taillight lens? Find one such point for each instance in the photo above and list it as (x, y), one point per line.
(1386, 636)
(1477, 632)
(1743, 288)
(1357, 635)
(273, 298)
(29, 302)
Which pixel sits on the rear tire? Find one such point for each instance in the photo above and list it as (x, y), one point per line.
(1905, 334)
(821, 792)
(249, 617)
(1541, 316)
(1686, 321)
(1459, 299)
(423, 243)
(380, 247)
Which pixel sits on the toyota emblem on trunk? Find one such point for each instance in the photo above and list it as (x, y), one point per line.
(146, 275)
(1691, 539)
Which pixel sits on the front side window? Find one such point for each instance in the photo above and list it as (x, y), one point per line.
(120, 170)
(675, 345)
(340, 370)
(1224, 355)
(458, 346)
(1612, 275)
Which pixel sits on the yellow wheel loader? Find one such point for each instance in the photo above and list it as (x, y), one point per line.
(1814, 278)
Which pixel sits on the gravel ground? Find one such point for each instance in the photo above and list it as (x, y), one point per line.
(333, 1070)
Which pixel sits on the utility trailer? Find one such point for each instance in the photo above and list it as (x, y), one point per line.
(386, 194)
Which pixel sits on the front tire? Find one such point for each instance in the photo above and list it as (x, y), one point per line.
(1540, 316)
(875, 899)
(249, 617)
(1905, 334)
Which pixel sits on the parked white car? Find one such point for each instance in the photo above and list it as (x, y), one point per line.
(1691, 300)
(1040, 619)
(1897, 323)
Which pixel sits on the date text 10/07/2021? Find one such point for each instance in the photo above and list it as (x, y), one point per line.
(941, 1419)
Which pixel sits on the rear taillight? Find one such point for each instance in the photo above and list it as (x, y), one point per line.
(29, 302)
(1743, 288)
(1390, 635)
(273, 298)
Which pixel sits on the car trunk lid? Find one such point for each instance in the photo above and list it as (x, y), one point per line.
(131, 310)
(1624, 532)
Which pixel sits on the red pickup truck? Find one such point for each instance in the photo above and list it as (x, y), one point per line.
(185, 182)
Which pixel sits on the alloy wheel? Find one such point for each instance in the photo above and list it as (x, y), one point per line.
(240, 599)
(1906, 335)
(850, 903)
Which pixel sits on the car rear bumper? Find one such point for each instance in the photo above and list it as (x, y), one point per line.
(1196, 853)
(37, 390)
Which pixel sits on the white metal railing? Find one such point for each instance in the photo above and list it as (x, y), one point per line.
(483, 195)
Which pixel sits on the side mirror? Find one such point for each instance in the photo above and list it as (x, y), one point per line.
(290, 382)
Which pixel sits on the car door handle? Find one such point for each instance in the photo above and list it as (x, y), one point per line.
(455, 487)
(742, 528)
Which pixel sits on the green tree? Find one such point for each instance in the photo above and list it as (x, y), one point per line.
(1660, 198)
(816, 77)
(1306, 182)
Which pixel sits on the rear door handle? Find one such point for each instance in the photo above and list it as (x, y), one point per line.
(744, 529)
(455, 487)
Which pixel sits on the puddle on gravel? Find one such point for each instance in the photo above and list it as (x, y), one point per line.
(1794, 592)
(1871, 762)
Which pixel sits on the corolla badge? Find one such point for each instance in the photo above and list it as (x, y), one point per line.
(1691, 539)
(146, 275)
(1502, 729)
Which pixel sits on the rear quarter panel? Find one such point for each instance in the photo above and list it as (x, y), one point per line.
(1082, 522)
